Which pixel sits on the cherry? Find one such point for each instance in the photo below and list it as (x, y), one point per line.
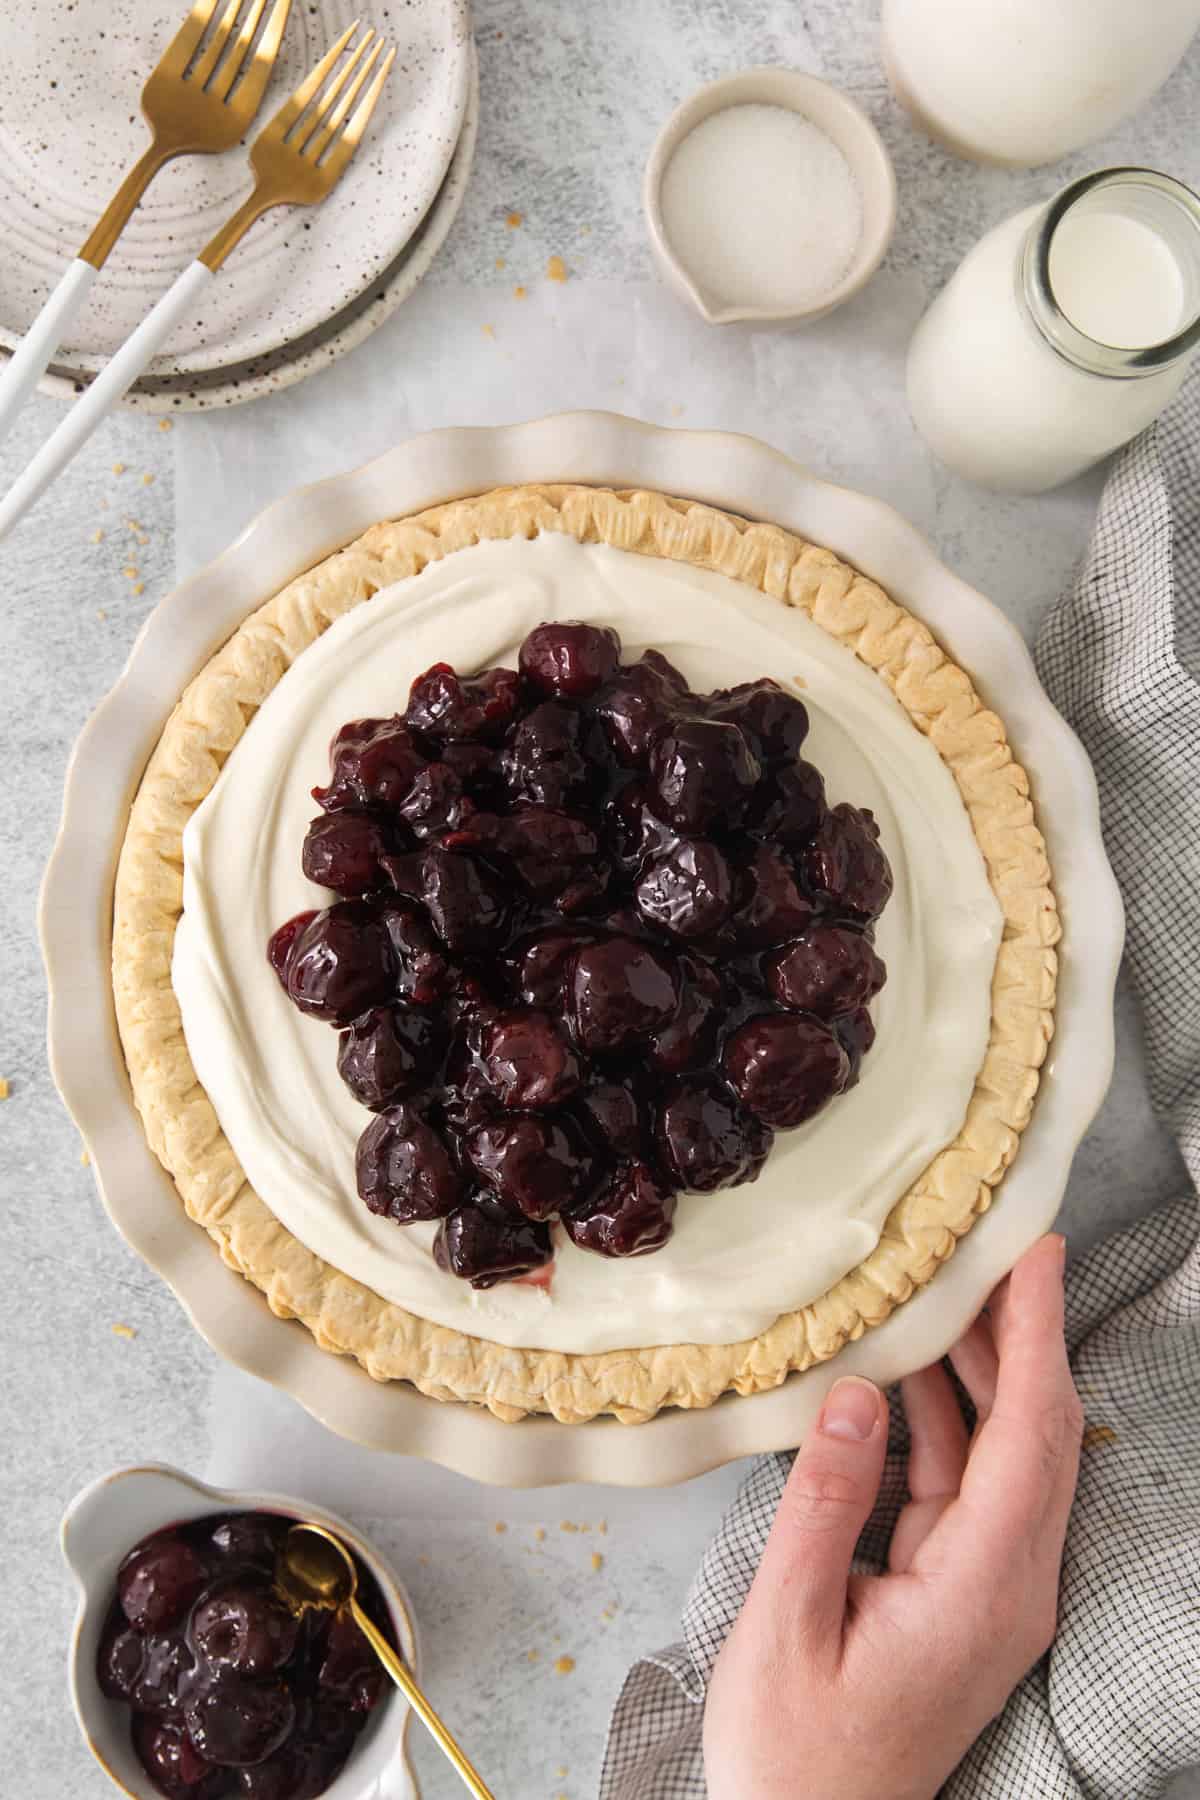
(630, 1216)
(120, 1657)
(688, 890)
(533, 1166)
(341, 963)
(772, 909)
(785, 1067)
(640, 701)
(789, 804)
(702, 773)
(343, 850)
(612, 1113)
(282, 942)
(253, 1538)
(157, 1582)
(169, 1758)
(545, 764)
(239, 1723)
(634, 830)
(549, 849)
(690, 1038)
(569, 660)
(242, 1626)
(390, 1052)
(526, 1061)
(620, 992)
(774, 721)
(539, 965)
(829, 970)
(434, 803)
(443, 704)
(845, 866)
(404, 1170)
(349, 1668)
(374, 763)
(856, 1034)
(706, 1139)
(485, 1244)
(473, 764)
(464, 899)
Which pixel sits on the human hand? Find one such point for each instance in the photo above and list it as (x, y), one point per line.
(837, 1686)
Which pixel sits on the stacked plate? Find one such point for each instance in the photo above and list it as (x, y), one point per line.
(308, 284)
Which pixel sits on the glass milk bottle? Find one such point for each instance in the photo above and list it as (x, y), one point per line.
(1062, 334)
(1020, 82)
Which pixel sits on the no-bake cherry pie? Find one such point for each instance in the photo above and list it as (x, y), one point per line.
(685, 926)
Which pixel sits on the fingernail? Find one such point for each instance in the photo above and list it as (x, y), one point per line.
(851, 1409)
(1062, 1249)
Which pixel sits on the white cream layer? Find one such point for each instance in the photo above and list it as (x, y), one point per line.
(737, 1259)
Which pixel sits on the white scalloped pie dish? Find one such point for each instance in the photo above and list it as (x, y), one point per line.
(744, 477)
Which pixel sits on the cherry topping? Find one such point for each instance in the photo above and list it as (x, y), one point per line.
(844, 865)
(774, 721)
(773, 908)
(829, 970)
(688, 890)
(706, 1139)
(158, 1581)
(526, 1061)
(254, 1538)
(540, 962)
(613, 1114)
(434, 803)
(443, 704)
(702, 772)
(486, 1243)
(785, 1067)
(166, 1664)
(641, 700)
(421, 972)
(569, 660)
(374, 762)
(789, 804)
(630, 1216)
(533, 1166)
(404, 1169)
(545, 763)
(621, 993)
(282, 942)
(343, 850)
(550, 849)
(341, 963)
(242, 1626)
(690, 1038)
(169, 1758)
(119, 1659)
(635, 831)
(856, 1034)
(390, 1052)
(464, 899)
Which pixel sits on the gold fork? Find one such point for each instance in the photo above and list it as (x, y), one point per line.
(297, 160)
(195, 102)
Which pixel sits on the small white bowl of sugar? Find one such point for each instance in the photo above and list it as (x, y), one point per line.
(769, 197)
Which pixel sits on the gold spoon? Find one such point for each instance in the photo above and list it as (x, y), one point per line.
(317, 1572)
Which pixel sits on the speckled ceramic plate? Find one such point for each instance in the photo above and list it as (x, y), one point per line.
(294, 362)
(71, 73)
(183, 632)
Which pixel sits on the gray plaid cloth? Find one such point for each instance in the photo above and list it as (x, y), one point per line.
(1114, 1709)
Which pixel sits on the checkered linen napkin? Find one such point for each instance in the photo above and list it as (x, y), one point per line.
(1114, 1709)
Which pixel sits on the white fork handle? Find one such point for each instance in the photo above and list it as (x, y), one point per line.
(104, 393)
(29, 361)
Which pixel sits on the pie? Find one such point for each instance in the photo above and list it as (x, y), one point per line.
(690, 1054)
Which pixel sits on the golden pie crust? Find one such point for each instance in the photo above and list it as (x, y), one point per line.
(345, 1316)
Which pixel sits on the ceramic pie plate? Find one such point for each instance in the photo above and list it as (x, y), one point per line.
(743, 477)
(70, 126)
(297, 360)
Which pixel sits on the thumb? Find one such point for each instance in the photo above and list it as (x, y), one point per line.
(828, 1499)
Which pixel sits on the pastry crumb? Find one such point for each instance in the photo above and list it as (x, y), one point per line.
(500, 262)
(597, 1562)
(424, 1561)
(118, 468)
(84, 1158)
(489, 331)
(586, 1526)
(1096, 1435)
(514, 219)
(147, 481)
(4, 1088)
(602, 1528)
(564, 1665)
(677, 411)
(556, 269)
(499, 1527)
(130, 572)
(100, 613)
(568, 1526)
(139, 587)
(540, 1534)
(519, 293)
(124, 1331)
(97, 537)
(532, 1655)
(164, 425)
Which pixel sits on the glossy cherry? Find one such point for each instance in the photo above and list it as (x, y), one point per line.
(404, 1169)
(486, 1243)
(343, 851)
(526, 1060)
(774, 722)
(706, 1139)
(827, 971)
(620, 993)
(341, 963)
(688, 890)
(701, 772)
(240, 1625)
(785, 1067)
(533, 1166)
(158, 1581)
(630, 1216)
(389, 1052)
(844, 865)
(374, 763)
(443, 704)
(569, 660)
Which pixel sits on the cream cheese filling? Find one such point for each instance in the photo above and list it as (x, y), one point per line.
(740, 1258)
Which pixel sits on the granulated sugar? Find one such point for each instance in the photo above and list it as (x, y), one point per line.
(761, 208)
